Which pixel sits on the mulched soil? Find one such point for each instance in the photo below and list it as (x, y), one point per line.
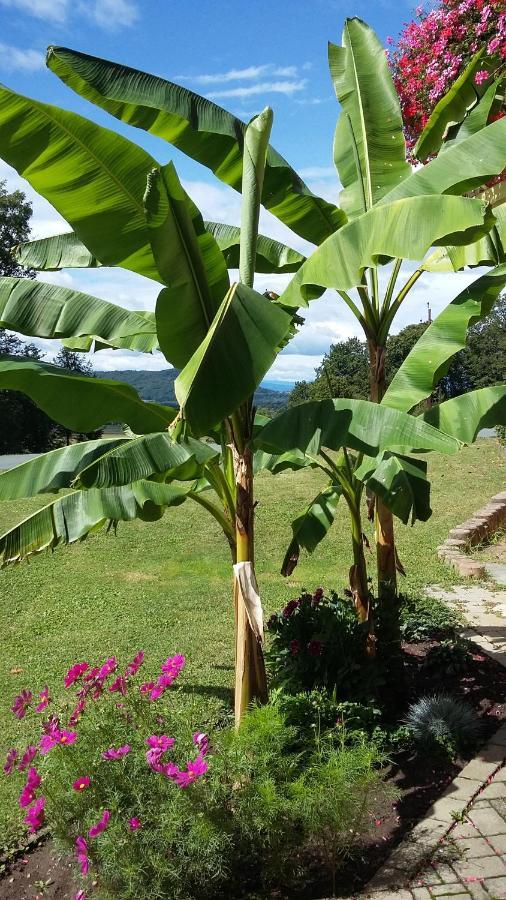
(39, 873)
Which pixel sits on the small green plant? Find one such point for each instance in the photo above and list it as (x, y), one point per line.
(443, 723)
(426, 618)
(501, 433)
(450, 657)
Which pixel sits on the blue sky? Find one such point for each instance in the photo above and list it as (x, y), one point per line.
(244, 55)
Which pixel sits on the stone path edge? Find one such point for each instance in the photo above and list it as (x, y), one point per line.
(478, 528)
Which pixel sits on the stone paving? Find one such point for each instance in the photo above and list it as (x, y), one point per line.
(459, 849)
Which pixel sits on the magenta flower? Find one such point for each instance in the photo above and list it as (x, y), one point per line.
(97, 829)
(170, 770)
(317, 596)
(10, 761)
(80, 895)
(160, 742)
(134, 666)
(35, 815)
(108, 667)
(315, 648)
(82, 855)
(21, 703)
(147, 687)
(82, 783)
(201, 742)
(28, 757)
(111, 753)
(44, 699)
(153, 759)
(134, 824)
(481, 76)
(75, 672)
(48, 741)
(77, 712)
(119, 685)
(194, 770)
(290, 608)
(294, 647)
(33, 781)
(173, 665)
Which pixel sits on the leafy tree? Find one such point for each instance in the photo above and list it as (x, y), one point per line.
(15, 213)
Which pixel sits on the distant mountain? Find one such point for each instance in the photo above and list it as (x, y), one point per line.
(158, 386)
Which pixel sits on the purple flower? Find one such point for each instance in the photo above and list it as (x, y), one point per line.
(134, 666)
(315, 648)
(82, 855)
(97, 829)
(48, 741)
(290, 608)
(317, 596)
(481, 76)
(173, 665)
(134, 824)
(82, 783)
(21, 703)
(194, 770)
(294, 648)
(108, 667)
(201, 741)
(119, 685)
(111, 753)
(44, 699)
(80, 895)
(33, 781)
(147, 687)
(28, 757)
(35, 815)
(10, 761)
(77, 712)
(154, 760)
(75, 672)
(160, 742)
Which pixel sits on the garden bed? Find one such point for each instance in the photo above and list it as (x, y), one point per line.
(482, 683)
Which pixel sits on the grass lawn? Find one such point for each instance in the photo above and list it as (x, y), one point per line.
(165, 587)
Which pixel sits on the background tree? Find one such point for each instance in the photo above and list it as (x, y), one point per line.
(78, 363)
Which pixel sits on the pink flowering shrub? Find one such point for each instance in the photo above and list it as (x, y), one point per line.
(148, 805)
(433, 50)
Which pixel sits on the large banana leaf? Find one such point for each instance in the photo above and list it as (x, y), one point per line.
(190, 262)
(199, 128)
(432, 354)
(238, 350)
(465, 165)
(404, 229)
(369, 147)
(73, 516)
(143, 457)
(49, 472)
(293, 460)
(488, 250)
(94, 177)
(451, 109)
(357, 424)
(311, 526)
(479, 116)
(79, 402)
(463, 417)
(66, 251)
(50, 311)
(400, 483)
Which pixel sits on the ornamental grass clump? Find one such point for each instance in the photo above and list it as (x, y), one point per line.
(443, 723)
(148, 805)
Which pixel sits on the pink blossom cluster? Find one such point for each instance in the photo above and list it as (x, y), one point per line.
(171, 668)
(158, 746)
(432, 51)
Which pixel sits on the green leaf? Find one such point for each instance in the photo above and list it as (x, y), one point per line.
(405, 229)
(357, 424)
(479, 115)
(74, 516)
(451, 109)
(46, 310)
(94, 177)
(293, 460)
(311, 526)
(272, 257)
(60, 251)
(400, 483)
(369, 146)
(465, 165)
(488, 250)
(143, 457)
(432, 354)
(198, 127)
(463, 417)
(81, 403)
(231, 361)
(49, 472)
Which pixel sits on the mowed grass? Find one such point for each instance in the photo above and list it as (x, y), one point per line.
(165, 587)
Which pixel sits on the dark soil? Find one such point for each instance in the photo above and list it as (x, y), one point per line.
(40, 873)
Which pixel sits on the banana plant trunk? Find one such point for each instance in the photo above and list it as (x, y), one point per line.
(250, 674)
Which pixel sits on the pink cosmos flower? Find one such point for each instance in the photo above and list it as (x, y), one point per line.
(160, 742)
(147, 687)
(194, 769)
(28, 757)
(134, 666)
(10, 761)
(173, 665)
(82, 783)
(119, 685)
(21, 703)
(108, 667)
(481, 76)
(97, 829)
(44, 699)
(75, 672)
(170, 770)
(35, 815)
(48, 741)
(111, 753)
(33, 781)
(80, 895)
(201, 741)
(134, 824)
(77, 712)
(154, 760)
(82, 854)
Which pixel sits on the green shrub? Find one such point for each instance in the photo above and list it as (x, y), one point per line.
(450, 657)
(426, 618)
(155, 808)
(501, 433)
(444, 724)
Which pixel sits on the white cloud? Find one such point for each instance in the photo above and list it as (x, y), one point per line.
(263, 87)
(15, 59)
(247, 74)
(52, 10)
(108, 14)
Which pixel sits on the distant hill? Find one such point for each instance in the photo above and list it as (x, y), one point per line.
(159, 387)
